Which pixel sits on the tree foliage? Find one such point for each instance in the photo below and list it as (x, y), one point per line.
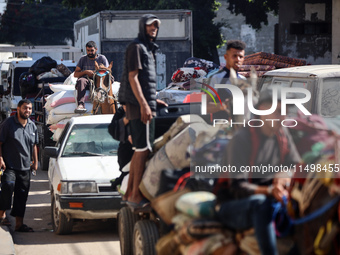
(206, 34)
(255, 11)
(36, 23)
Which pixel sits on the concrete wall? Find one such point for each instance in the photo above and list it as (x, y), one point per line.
(297, 25)
(262, 40)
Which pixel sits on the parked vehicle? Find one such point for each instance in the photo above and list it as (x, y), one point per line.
(321, 80)
(114, 30)
(8, 103)
(81, 166)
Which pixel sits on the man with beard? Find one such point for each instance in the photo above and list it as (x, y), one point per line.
(85, 70)
(138, 93)
(18, 156)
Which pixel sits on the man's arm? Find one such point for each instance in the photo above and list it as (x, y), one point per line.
(35, 158)
(146, 113)
(79, 73)
(2, 162)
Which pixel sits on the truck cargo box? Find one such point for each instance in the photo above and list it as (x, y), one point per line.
(114, 30)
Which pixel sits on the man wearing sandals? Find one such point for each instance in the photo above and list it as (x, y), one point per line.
(138, 93)
(85, 70)
(18, 156)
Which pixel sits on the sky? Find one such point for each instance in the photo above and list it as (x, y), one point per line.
(2, 6)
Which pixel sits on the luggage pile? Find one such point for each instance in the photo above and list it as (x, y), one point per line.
(183, 200)
(60, 105)
(183, 79)
(43, 69)
(264, 62)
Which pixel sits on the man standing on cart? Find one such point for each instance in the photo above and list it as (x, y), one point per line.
(138, 93)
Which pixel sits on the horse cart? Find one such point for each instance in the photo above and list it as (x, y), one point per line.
(312, 210)
(140, 229)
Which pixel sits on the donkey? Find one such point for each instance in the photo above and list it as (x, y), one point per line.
(104, 102)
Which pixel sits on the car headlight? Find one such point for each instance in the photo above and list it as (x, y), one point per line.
(78, 187)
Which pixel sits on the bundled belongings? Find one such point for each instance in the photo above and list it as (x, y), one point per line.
(206, 65)
(263, 58)
(174, 154)
(182, 80)
(60, 105)
(45, 64)
(260, 69)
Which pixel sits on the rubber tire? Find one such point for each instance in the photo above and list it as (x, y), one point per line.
(126, 223)
(145, 237)
(44, 160)
(61, 225)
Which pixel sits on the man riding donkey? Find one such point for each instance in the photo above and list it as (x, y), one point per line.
(85, 72)
(247, 200)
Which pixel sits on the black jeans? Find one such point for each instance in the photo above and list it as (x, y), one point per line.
(18, 182)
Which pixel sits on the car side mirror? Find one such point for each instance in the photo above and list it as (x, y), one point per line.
(51, 151)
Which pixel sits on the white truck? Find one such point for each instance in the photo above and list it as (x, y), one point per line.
(58, 52)
(114, 30)
(8, 103)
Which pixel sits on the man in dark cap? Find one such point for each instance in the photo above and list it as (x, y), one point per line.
(138, 93)
(251, 193)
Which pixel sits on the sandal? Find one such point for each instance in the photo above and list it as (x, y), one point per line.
(80, 109)
(5, 222)
(24, 228)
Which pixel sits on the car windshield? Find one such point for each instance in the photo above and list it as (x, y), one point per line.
(330, 97)
(90, 140)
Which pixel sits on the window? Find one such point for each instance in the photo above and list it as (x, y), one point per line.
(90, 140)
(310, 28)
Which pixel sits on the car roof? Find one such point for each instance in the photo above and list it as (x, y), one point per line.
(92, 119)
(309, 71)
(29, 63)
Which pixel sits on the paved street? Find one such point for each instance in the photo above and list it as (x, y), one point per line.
(89, 237)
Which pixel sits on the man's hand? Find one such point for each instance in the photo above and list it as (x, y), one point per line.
(89, 73)
(34, 166)
(2, 164)
(146, 113)
(130, 139)
(161, 102)
(280, 186)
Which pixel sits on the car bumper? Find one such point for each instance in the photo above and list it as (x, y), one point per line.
(90, 207)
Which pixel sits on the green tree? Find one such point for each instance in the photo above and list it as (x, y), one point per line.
(206, 33)
(255, 11)
(36, 23)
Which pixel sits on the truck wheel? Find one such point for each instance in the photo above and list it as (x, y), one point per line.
(145, 237)
(44, 160)
(126, 223)
(61, 225)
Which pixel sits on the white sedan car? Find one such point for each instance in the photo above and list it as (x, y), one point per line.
(80, 169)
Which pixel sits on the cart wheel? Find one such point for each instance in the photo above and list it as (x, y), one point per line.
(145, 236)
(126, 223)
